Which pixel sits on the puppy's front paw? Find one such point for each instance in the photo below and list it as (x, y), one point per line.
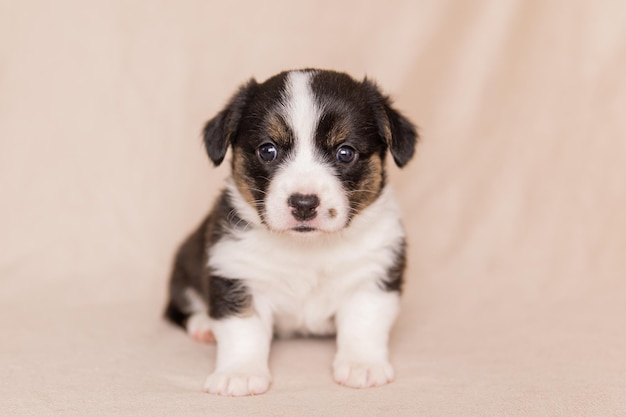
(362, 374)
(237, 384)
(199, 328)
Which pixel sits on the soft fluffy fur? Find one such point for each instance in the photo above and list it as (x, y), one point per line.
(306, 239)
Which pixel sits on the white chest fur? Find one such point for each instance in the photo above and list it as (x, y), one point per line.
(301, 282)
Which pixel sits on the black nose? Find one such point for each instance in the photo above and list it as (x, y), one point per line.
(304, 205)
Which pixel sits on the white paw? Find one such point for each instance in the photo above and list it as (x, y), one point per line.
(362, 374)
(199, 328)
(237, 384)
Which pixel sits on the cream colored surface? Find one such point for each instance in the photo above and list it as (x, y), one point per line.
(515, 204)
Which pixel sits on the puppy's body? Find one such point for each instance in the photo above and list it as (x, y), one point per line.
(306, 239)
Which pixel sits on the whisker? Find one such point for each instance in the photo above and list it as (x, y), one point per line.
(257, 190)
(363, 191)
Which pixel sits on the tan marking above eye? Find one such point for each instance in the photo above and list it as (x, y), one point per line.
(276, 129)
(338, 134)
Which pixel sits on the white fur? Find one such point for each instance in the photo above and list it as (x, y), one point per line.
(304, 281)
(363, 324)
(304, 173)
(242, 354)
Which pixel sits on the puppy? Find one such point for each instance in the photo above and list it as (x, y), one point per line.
(306, 238)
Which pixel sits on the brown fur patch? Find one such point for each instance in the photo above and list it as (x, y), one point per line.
(338, 134)
(248, 309)
(277, 129)
(370, 186)
(242, 180)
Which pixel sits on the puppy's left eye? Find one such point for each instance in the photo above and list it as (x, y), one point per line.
(267, 152)
(346, 154)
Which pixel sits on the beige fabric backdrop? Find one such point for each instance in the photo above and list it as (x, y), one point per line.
(515, 204)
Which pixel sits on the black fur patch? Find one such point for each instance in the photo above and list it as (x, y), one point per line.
(395, 275)
(227, 297)
(351, 113)
(190, 265)
(175, 314)
(261, 123)
(219, 131)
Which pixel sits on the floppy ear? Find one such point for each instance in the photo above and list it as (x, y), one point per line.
(403, 136)
(219, 131)
(397, 131)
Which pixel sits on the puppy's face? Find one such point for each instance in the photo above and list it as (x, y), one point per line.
(309, 147)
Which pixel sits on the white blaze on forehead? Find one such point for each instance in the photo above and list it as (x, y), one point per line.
(304, 171)
(301, 112)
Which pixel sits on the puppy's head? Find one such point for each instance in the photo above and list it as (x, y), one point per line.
(309, 147)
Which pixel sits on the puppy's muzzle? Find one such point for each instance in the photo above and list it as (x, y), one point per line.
(304, 206)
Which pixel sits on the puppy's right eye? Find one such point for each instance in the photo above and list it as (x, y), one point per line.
(267, 152)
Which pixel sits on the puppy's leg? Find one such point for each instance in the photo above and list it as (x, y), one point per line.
(187, 310)
(186, 307)
(243, 345)
(199, 325)
(363, 326)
